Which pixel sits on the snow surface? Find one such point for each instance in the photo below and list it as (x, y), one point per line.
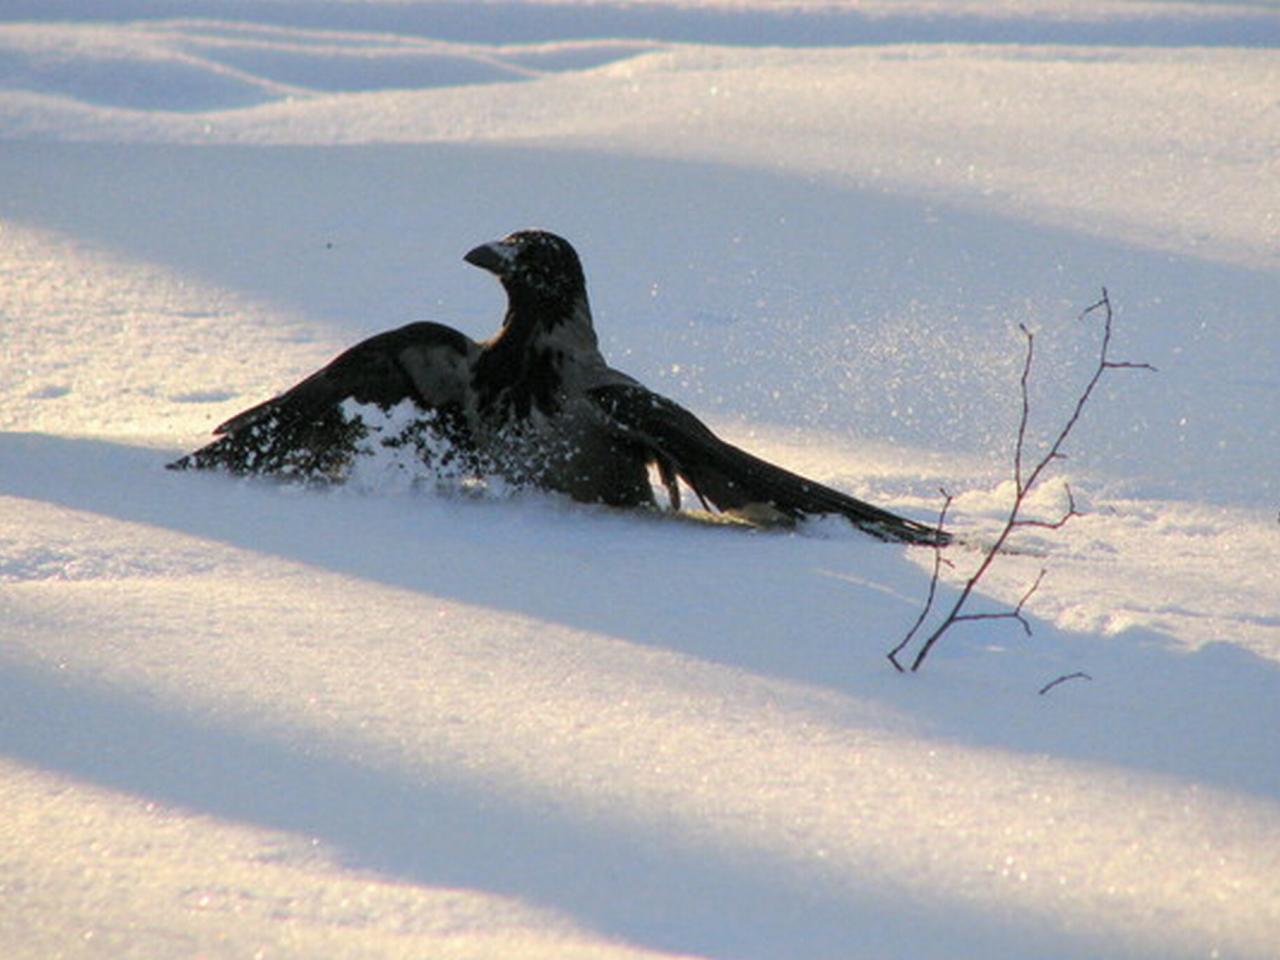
(239, 719)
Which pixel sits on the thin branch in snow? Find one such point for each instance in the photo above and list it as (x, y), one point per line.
(1024, 481)
(1014, 614)
(938, 561)
(1078, 675)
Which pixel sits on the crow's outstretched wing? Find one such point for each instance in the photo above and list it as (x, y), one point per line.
(729, 477)
(304, 431)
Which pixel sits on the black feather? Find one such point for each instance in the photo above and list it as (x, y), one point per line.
(732, 479)
(304, 434)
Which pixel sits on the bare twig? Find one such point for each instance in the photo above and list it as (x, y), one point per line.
(1024, 481)
(1078, 675)
(938, 560)
(1014, 614)
(1061, 522)
(1026, 407)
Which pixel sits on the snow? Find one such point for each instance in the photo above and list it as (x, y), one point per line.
(242, 719)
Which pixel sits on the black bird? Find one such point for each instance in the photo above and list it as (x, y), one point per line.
(537, 404)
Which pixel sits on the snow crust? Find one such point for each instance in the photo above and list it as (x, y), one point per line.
(243, 719)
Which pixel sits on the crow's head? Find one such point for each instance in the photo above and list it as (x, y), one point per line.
(535, 267)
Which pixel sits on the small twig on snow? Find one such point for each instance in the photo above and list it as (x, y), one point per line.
(1024, 482)
(1078, 675)
(938, 561)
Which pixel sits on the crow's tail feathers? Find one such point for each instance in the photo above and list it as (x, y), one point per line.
(732, 479)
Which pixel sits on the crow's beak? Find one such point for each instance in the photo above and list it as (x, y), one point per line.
(495, 257)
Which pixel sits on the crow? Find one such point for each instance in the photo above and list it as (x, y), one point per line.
(537, 404)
